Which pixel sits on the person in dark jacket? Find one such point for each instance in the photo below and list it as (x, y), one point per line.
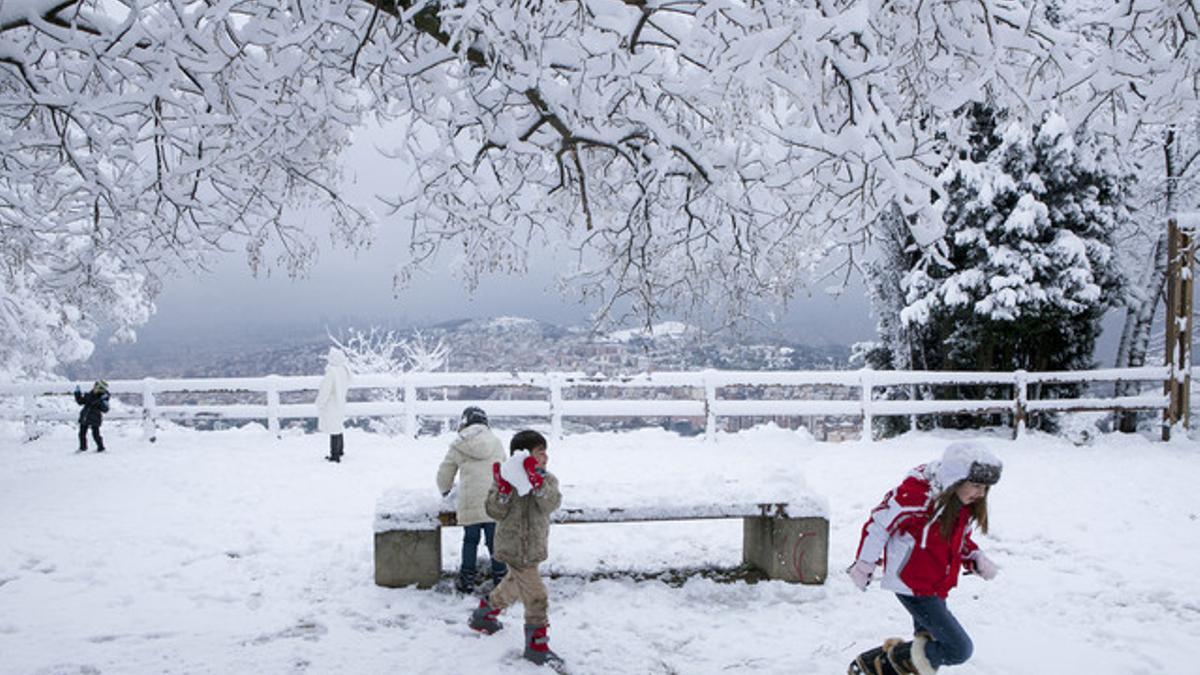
(95, 404)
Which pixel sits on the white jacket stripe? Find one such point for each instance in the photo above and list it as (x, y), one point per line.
(884, 520)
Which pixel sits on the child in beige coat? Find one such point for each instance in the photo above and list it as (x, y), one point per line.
(522, 536)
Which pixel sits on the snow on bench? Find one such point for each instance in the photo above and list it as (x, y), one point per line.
(785, 526)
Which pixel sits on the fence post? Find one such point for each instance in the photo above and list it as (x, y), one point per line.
(410, 408)
(149, 428)
(1020, 398)
(1180, 252)
(912, 396)
(710, 412)
(29, 404)
(273, 404)
(866, 385)
(556, 428)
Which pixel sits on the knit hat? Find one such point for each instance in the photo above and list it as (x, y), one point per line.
(970, 461)
(472, 415)
(101, 385)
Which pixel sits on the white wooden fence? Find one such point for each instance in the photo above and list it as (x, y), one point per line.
(705, 396)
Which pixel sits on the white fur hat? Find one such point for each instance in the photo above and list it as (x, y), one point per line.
(967, 460)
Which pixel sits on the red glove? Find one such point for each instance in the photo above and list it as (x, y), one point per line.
(503, 486)
(534, 473)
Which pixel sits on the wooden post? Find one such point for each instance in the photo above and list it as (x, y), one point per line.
(866, 385)
(410, 409)
(149, 426)
(1021, 396)
(710, 413)
(556, 428)
(273, 404)
(1187, 274)
(29, 404)
(912, 396)
(1180, 253)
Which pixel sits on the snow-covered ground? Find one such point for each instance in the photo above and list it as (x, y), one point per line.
(233, 552)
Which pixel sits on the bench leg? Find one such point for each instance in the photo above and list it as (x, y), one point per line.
(789, 549)
(403, 558)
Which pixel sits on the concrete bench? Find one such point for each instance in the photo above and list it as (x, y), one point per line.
(788, 540)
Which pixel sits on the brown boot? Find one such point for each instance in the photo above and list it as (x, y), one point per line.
(875, 661)
(908, 658)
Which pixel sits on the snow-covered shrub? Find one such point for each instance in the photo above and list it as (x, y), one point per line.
(381, 352)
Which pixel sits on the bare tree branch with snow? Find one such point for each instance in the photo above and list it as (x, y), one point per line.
(693, 155)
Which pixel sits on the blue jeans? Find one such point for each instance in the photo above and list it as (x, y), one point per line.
(470, 549)
(949, 644)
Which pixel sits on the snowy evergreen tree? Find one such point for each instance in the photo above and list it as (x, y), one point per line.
(1027, 266)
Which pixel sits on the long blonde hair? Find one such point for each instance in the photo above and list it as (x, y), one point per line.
(947, 505)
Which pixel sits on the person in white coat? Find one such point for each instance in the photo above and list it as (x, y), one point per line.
(331, 402)
(471, 456)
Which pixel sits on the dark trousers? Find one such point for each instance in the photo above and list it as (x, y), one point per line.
(470, 549)
(83, 429)
(337, 445)
(948, 643)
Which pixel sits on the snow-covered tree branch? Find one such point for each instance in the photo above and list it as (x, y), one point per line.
(697, 154)
(141, 137)
(693, 154)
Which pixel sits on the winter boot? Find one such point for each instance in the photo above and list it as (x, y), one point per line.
(908, 658)
(465, 584)
(483, 619)
(875, 661)
(335, 448)
(499, 569)
(537, 647)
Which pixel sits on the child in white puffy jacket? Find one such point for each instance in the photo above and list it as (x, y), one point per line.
(471, 456)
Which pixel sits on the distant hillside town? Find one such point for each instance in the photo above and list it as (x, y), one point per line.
(500, 343)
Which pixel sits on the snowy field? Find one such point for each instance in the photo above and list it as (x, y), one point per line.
(233, 552)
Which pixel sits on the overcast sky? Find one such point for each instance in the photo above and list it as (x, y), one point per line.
(347, 288)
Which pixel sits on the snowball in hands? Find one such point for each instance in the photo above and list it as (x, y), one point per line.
(513, 471)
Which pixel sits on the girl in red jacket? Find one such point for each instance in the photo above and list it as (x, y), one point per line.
(921, 534)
